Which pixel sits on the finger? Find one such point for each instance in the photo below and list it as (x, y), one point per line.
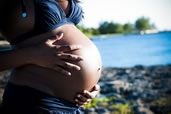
(71, 57)
(51, 41)
(56, 37)
(59, 36)
(69, 65)
(96, 88)
(80, 103)
(90, 95)
(81, 98)
(68, 48)
(61, 70)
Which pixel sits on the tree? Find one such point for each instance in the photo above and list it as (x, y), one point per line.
(103, 27)
(128, 28)
(143, 24)
(118, 28)
(110, 27)
(95, 31)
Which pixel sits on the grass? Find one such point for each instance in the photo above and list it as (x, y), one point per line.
(106, 102)
(162, 101)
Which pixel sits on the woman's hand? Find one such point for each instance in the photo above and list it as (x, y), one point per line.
(86, 97)
(55, 57)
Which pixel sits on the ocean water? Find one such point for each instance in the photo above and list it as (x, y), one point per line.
(131, 50)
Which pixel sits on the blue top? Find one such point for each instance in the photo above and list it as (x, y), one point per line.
(49, 15)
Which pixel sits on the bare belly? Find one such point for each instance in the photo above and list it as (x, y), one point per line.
(59, 85)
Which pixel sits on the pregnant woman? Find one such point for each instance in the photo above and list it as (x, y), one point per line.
(45, 90)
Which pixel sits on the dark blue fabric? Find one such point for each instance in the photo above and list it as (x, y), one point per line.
(25, 100)
(49, 14)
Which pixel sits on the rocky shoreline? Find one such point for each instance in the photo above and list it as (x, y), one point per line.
(135, 90)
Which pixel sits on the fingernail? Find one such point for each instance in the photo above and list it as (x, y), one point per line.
(84, 91)
(78, 96)
(78, 46)
(78, 68)
(76, 100)
(59, 54)
(80, 58)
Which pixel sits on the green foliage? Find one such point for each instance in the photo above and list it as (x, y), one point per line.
(106, 27)
(128, 28)
(162, 101)
(143, 24)
(104, 102)
(110, 27)
(110, 102)
(92, 104)
(95, 31)
(88, 31)
(123, 108)
(103, 27)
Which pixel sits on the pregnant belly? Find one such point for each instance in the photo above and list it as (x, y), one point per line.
(57, 84)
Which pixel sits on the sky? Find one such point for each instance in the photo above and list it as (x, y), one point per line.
(124, 11)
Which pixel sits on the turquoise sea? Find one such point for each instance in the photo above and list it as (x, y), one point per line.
(136, 49)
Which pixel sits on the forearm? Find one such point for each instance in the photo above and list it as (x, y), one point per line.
(35, 40)
(14, 58)
(22, 55)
